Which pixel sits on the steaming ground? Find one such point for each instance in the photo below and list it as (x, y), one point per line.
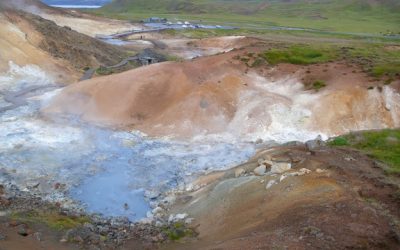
(198, 123)
(107, 171)
(220, 97)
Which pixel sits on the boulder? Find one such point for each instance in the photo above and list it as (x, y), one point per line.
(260, 170)
(280, 167)
(314, 144)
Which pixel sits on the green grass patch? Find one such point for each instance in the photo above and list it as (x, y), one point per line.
(177, 231)
(52, 219)
(103, 71)
(380, 17)
(383, 145)
(299, 54)
(317, 85)
(388, 69)
(338, 141)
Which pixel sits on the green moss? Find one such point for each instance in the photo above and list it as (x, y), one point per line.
(386, 69)
(52, 219)
(383, 145)
(299, 54)
(178, 231)
(257, 62)
(104, 71)
(317, 85)
(338, 141)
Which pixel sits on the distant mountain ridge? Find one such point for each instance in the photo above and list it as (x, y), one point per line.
(76, 2)
(351, 16)
(242, 6)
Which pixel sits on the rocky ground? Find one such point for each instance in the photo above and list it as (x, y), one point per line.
(291, 196)
(294, 196)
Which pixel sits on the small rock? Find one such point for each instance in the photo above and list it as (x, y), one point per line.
(149, 214)
(280, 167)
(157, 210)
(63, 240)
(151, 194)
(260, 170)
(146, 221)
(31, 185)
(3, 237)
(239, 172)
(126, 206)
(301, 172)
(23, 230)
(38, 236)
(305, 171)
(270, 184)
(314, 144)
(181, 216)
(189, 220)
(282, 177)
(3, 213)
(320, 171)
(159, 224)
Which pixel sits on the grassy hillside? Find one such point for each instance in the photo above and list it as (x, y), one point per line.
(358, 16)
(383, 145)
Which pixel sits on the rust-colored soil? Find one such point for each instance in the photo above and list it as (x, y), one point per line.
(216, 94)
(346, 202)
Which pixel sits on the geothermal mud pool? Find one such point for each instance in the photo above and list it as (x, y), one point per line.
(106, 171)
(122, 173)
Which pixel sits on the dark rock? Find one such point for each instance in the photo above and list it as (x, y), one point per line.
(23, 230)
(315, 144)
(3, 237)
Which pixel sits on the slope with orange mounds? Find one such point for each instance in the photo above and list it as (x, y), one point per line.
(222, 95)
(29, 39)
(179, 97)
(19, 43)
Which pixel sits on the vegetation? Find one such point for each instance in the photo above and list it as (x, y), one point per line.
(298, 54)
(358, 16)
(177, 231)
(52, 219)
(383, 145)
(317, 85)
(102, 71)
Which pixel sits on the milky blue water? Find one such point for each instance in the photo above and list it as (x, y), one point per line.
(105, 171)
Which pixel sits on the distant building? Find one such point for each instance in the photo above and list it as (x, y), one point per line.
(155, 20)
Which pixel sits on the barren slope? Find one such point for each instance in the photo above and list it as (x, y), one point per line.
(221, 95)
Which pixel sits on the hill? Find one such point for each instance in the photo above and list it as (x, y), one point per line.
(358, 16)
(26, 38)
